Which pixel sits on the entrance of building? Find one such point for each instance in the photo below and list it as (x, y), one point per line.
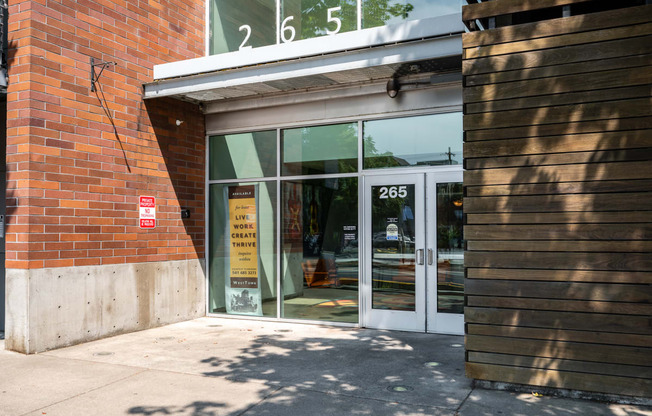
(413, 271)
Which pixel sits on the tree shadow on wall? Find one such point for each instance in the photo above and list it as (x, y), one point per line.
(558, 208)
(179, 131)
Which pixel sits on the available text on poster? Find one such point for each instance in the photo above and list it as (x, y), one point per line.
(242, 286)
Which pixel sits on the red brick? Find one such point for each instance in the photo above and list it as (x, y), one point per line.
(53, 119)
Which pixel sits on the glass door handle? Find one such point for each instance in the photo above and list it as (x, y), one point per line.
(430, 257)
(420, 256)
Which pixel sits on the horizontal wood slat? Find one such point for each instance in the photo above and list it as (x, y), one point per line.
(561, 173)
(607, 292)
(562, 25)
(560, 188)
(561, 159)
(596, 232)
(560, 305)
(557, 260)
(591, 337)
(635, 61)
(559, 41)
(569, 202)
(606, 232)
(611, 94)
(562, 365)
(496, 8)
(604, 110)
(568, 246)
(560, 349)
(568, 144)
(626, 386)
(543, 130)
(599, 322)
(558, 85)
(549, 275)
(561, 217)
(546, 57)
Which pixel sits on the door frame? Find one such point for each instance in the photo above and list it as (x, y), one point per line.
(426, 315)
(393, 319)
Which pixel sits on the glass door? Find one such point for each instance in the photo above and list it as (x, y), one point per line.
(394, 290)
(445, 253)
(413, 276)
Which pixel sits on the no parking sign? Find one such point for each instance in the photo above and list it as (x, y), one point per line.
(147, 208)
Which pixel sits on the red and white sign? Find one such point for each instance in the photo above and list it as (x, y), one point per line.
(147, 208)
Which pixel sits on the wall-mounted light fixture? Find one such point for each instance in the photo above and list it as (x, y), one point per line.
(394, 85)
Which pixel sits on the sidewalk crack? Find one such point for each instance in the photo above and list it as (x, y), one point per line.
(457, 411)
(267, 396)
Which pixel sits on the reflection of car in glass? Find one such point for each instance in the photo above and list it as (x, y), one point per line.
(380, 241)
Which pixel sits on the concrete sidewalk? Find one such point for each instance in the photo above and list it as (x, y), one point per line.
(215, 366)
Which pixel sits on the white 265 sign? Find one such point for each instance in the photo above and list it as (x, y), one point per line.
(288, 32)
(393, 192)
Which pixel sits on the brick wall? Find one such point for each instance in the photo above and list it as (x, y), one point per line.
(78, 160)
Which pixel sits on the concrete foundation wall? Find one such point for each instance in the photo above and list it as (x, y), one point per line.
(56, 307)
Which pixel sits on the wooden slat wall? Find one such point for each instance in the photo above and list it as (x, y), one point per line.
(558, 199)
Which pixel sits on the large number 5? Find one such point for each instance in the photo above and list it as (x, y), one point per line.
(287, 28)
(337, 20)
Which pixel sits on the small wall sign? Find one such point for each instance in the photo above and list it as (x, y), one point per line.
(147, 208)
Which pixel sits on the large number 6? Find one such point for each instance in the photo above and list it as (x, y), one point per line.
(337, 20)
(248, 29)
(286, 28)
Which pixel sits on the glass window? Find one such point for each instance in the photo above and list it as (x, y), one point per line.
(242, 257)
(310, 18)
(241, 23)
(387, 12)
(320, 249)
(393, 270)
(413, 141)
(247, 155)
(320, 150)
(450, 248)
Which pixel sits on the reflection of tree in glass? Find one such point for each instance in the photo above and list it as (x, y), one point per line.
(314, 15)
(380, 12)
(374, 159)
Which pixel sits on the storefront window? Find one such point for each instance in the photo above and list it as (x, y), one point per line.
(320, 150)
(288, 230)
(242, 241)
(387, 12)
(241, 24)
(320, 249)
(239, 156)
(430, 140)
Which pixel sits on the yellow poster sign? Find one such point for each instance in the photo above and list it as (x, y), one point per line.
(243, 237)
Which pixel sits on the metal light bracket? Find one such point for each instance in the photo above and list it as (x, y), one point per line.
(95, 77)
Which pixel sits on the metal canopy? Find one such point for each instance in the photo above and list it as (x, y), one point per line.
(416, 57)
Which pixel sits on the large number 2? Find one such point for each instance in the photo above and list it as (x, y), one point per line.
(248, 29)
(337, 20)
